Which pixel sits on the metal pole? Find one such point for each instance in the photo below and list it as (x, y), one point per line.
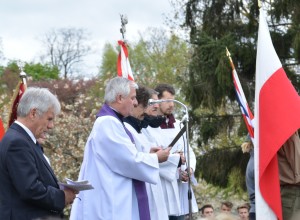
(152, 101)
(188, 156)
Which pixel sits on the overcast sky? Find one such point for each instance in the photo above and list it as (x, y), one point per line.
(24, 22)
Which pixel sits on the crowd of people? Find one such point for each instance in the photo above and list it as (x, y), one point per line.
(207, 212)
(135, 171)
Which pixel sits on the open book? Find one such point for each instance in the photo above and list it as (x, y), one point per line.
(76, 185)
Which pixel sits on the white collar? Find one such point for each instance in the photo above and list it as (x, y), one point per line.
(27, 131)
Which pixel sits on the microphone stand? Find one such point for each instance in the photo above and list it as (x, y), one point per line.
(152, 101)
(188, 157)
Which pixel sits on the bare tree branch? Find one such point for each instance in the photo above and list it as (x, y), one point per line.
(66, 48)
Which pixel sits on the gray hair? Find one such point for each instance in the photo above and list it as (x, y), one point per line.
(118, 86)
(39, 98)
(152, 92)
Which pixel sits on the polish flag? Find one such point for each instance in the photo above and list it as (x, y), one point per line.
(2, 131)
(277, 107)
(123, 65)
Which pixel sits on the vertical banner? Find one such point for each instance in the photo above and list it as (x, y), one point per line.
(123, 65)
(15, 102)
(277, 107)
(241, 99)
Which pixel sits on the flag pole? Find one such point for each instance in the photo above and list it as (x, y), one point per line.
(229, 57)
(20, 89)
(22, 74)
(123, 65)
(241, 99)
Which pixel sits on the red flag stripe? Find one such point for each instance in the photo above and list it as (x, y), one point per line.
(2, 131)
(13, 115)
(123, 65)
(278, 120)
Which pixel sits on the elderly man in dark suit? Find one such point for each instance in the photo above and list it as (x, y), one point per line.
(28, 186)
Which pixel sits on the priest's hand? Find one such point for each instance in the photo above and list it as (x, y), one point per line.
(191, 171)
(163, 154)
(182, 157)
(183, 175)
(155, 149)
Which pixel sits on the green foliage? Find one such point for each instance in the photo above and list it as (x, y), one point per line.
(213, 26)
(155, 58)
(13, 66)
(209, 73)
(109, 61)
(208, 130)
(221, 166)
(39, 71)
(236, 181)
(212, 125)
(9, 78)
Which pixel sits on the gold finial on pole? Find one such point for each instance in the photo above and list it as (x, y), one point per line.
(228, 53)
(23, 75)
(259, 3)
(229, 57)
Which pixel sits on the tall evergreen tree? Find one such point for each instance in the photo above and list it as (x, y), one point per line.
(214, 25)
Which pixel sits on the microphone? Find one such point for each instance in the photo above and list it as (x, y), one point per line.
(154, 101)
(184, 119)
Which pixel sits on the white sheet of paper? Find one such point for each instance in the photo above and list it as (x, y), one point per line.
(76, 185)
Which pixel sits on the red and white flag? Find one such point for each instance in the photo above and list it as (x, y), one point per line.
(123, 65)
(2, 131)
(277, 107)
(241, 99)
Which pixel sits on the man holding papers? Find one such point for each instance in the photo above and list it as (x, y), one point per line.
(29, 188)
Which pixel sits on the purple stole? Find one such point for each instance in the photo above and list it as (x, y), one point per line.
(139, 186)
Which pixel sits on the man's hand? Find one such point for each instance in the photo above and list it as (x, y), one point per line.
(191, 171)
(163, 154)
(183, 175)
(155, 149)
(70, 195)
(182, 157)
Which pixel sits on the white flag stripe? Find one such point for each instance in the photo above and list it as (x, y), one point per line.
(241, 92)
(267, 61)
(266, 64)
(124, 64)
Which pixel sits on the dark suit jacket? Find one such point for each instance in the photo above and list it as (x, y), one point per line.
(28, 186)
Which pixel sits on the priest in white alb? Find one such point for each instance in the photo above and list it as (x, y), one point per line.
(113, 165)
(135, 123)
